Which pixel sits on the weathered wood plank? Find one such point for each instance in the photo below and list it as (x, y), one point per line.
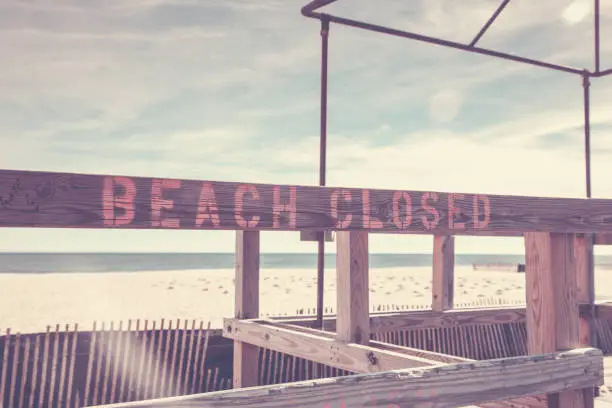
(440, 386)
(443, 287)
(433, 357)
(321, 349)
(602, 239)
(553, 321)
(447, 318)
(245, 372)
(63, 200)
(436, 358)
(313, 236)
(422, 319)
(585, 286)
(352, 283)
(604, 310)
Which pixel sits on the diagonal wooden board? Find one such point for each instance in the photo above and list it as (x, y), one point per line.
(420, 355)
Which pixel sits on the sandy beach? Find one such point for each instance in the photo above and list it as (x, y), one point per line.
(30, 302)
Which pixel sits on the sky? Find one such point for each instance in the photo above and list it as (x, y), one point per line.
(228, 90)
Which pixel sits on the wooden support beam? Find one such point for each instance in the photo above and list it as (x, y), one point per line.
(604, 311)
(585, 286)
(320, 349)
(552, 310)
(585, 290)
(436, 358)
(428, 319)
(309, 235)
(246, 356)
(433, 357)
(602, 239)
(445, 386)
(443, 287)
(425, 319)
(353, 305)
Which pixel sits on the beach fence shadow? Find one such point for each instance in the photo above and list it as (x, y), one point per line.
(142, 359)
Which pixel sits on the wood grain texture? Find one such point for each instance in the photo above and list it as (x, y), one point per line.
(63, 200)
(313, 236)
(352, 283)
(435, 358)
(552, 310)
(585, 286)
(541, 324)
(443, 286)
(422, 319)
(440, 386)
(321, 349)
(448, 318)
(246, 305)
(604, 310)
(602, 239)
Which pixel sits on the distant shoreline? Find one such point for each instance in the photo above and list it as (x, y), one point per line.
(36, 262)
(71, 262)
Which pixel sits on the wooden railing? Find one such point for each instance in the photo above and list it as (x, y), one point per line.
(447, 385)
(558, 237)
(476, 332)
(65, 200)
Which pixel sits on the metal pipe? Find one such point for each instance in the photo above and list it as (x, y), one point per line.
(445, 43)
(596, 29)
(603, 73)
(490, 21)
(322, 166)
(309, 9)
(586, 84)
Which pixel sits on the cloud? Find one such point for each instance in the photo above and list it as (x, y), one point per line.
(229, 90)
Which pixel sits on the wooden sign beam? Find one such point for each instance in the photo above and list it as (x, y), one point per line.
(61, 200)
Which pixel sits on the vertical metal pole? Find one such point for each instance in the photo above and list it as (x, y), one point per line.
(596, 29)
(322, 166)
(586, 84)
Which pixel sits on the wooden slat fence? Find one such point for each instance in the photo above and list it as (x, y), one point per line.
(478, 342)
(142, 359)
(116, 362)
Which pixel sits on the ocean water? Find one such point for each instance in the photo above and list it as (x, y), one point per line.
(122, 262)
(126, 262)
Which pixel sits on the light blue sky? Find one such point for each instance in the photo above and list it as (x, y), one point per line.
(228, 90)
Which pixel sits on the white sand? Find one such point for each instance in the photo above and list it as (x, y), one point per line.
(30, 302)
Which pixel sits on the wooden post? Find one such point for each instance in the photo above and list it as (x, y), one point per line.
(585, 284)
(585, 289)
(246, 356)
(443, 272)
(552, 311)
(353, 309)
